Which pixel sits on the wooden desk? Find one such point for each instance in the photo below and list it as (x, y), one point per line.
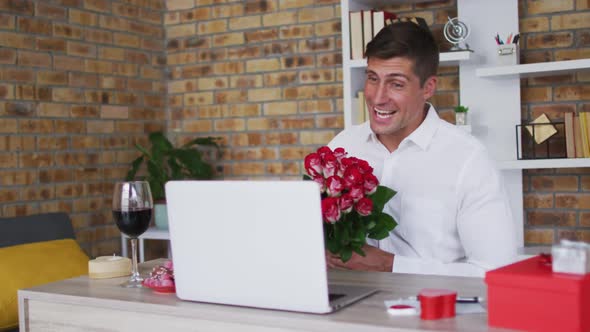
(81, 304)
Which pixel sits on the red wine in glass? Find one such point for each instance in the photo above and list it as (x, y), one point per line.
(132, 211)
(133, 223)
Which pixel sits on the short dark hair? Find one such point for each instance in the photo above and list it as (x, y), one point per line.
(407, 39)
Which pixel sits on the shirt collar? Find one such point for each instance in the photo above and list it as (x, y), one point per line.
(422, 136)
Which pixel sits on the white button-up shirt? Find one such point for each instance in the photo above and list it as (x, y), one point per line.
(451, 208)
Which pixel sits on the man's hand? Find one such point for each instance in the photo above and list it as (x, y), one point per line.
(375, 260)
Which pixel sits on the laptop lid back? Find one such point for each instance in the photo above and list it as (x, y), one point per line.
(249, 243)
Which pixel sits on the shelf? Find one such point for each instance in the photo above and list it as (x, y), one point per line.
(446, 59)
(383, 3)
(535, 69)
(544, 163)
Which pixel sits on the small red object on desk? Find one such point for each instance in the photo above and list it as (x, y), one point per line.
(437, 303)
(527, 295)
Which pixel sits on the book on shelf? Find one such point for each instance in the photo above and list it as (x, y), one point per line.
(356, 35)
(381, 19)
(367, 28)
(577, 136)
(570, 146)
(361, 107)
(586, 128)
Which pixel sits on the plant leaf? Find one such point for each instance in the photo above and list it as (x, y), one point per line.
(205, 141)
(387, 221)
(358, 250)
(135, 164)
(165, 162)
(346, 254)
(381, 197)
(341, 233)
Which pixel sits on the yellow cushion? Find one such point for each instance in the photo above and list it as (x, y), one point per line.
(33, 264)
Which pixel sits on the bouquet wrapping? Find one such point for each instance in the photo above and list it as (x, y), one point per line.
(352, 201)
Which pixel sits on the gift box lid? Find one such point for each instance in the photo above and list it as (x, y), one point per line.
(536, 273)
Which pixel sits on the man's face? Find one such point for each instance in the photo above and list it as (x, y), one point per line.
(395, 99)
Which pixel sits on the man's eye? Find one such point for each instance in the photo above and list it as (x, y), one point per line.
(372, 78)
(395, 85)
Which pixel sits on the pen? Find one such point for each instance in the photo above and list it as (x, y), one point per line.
(515, 40)
(460, 299)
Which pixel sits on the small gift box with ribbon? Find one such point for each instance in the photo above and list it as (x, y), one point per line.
(529, 295)
(571, 257)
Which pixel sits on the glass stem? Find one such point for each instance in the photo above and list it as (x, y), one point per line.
(134, 270)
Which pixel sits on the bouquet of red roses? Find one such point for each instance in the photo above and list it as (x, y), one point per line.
(352, 201)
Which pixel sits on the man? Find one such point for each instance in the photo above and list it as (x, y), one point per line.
(452, 212)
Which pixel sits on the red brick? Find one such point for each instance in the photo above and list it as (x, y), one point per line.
(574, 235)
(551, 218)
(7, 56)
(578, 92)
(538, 201)
(539, 236)
(33, 59)
(50, 11)
(550, 40)
(67, 31)
(20, 177)
(68, 63)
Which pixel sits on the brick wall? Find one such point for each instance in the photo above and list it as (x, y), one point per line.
(263, 75)
(557, 201)
(80, 81)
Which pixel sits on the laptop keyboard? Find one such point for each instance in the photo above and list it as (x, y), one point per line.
(333, 296)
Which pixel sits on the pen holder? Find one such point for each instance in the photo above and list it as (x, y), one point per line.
(508, 54)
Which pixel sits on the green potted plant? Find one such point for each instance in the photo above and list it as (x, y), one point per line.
(165, 162)
(461, 115)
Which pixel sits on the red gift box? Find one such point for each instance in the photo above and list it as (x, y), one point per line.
(527, 295)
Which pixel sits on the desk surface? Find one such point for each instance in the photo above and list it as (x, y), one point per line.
(85, 304)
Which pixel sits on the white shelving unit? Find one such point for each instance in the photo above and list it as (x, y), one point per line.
(446, 59)
(535, 69)
(544, 163)
(492, 92)
(532, 70)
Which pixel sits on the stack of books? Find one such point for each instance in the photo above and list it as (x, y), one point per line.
(577, 134)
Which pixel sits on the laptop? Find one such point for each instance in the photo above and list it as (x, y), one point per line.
(252, 243)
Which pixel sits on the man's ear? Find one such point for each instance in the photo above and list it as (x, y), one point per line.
(430, 87)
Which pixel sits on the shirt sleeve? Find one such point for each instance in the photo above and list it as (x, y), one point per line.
(485, 226)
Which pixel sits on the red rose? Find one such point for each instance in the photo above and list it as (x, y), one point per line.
(334, 186)
(371, 183)
(352, 177)
(323, 151)
(364, 206)
(340, 153)
(364, 166)
(348, 161)
(357, 192)
(313, 165)
(330, 165)
(330, 209)
(346, 203)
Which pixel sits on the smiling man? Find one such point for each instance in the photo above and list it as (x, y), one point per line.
(452, 211)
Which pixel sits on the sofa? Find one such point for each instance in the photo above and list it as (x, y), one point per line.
(35, 250)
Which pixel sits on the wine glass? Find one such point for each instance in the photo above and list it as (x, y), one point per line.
(132, 211)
